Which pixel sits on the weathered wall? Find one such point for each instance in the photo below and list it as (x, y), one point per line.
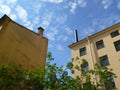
(93, 54)
(21, 46)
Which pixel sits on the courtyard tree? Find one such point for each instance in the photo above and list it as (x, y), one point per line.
(54, 77)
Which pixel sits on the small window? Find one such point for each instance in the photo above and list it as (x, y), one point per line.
(117, 45)
(104, 60)
(109, 83)
(100, 44)
(84, 67)
(83, 51)
(114, 34)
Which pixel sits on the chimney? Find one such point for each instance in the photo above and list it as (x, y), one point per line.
(40, 31)
(76, 35)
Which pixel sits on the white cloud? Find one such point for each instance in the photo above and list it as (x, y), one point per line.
(68, 30)
(30, 27)
(76, 3)
(62, 38)
(45, 23)
(11, 1)
(73, 7)
(118, 5)
(27, 23)
(36, 20)
(88, 31)
(47, 18)
(51, 35)
(106, 21)
(54, 1)
(59, 47)
(65, 38)
(21, 12)
(50, 45)
(5, 9)
(61, 19)
(106, 3)
(82, 3)
(37, 6)
(23, 15)
(1, 1)
(13, 16)
(99, 24)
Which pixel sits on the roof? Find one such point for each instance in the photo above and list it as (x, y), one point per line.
(94, 35)
(5, 18)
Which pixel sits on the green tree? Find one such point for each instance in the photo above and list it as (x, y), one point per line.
(105, 77)
(14, 77)
(11, 76)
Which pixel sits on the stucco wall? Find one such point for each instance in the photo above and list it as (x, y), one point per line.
(93, 54)
(21, 46)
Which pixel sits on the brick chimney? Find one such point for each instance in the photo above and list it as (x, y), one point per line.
(40, 31)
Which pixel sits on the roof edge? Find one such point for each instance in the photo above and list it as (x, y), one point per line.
(94, 35)
(8, 19)
(5, 18)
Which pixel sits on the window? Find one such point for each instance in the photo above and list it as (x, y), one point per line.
(117, 45)
(109, 83)
(84, 67)
(104, 60)
(114, 34)
(100, 44)
(83, 51)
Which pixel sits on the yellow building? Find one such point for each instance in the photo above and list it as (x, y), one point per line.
(20, 45)
(104, 44)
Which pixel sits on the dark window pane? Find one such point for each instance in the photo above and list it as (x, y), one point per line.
(83, 51)
(84, 67)
(100, 44)
(109, 83)
(114, 34)
(104, 60)
(117, 45)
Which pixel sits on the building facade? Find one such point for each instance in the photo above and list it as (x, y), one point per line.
(20, 45)
(103, 45)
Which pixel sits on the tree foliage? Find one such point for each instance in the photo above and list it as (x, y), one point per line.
(14, 77)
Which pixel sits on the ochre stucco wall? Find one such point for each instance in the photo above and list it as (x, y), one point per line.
(21, 46)
(109, 50)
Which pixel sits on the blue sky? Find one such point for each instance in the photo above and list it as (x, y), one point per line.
(60, 18)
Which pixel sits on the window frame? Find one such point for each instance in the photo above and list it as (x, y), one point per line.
(115, 33)
(112, 84)
(82, 51)
(84, 67)
(117, 45)
(104, 61)
(99, 43)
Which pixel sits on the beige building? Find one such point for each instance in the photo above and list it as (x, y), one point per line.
(20, 45)
(104, 44)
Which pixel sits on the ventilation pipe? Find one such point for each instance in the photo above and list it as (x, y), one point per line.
(76, 35)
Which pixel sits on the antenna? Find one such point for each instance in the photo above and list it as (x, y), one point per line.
(76, 35)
